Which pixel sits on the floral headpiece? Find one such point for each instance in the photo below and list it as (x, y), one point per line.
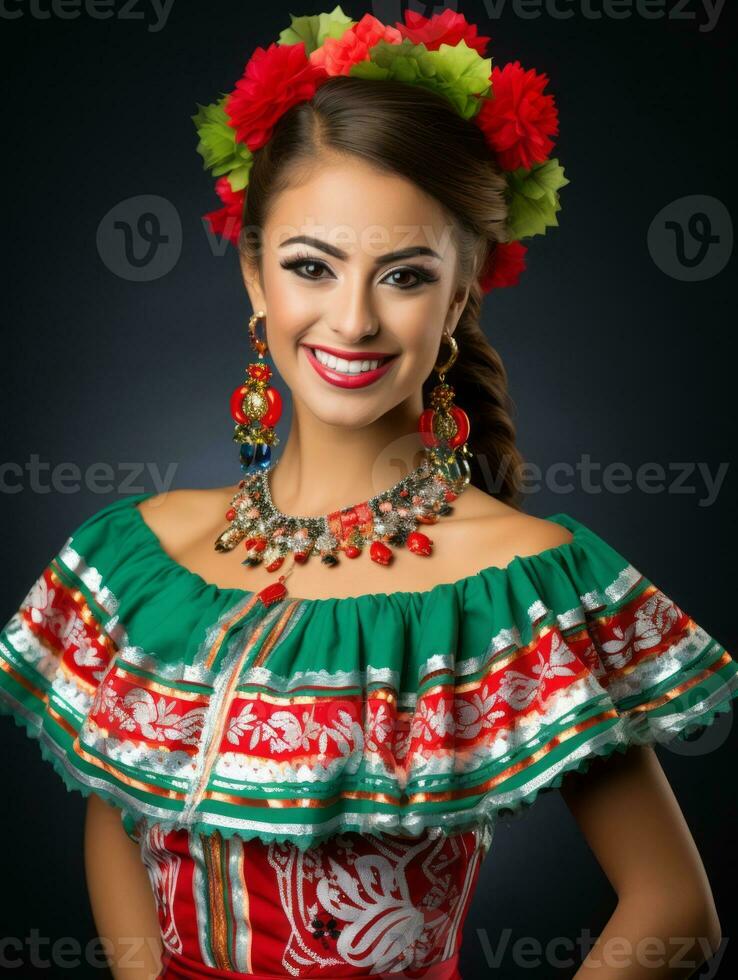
(443, 53)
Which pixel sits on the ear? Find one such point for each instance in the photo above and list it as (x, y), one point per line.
(252, 281)
(456, 308)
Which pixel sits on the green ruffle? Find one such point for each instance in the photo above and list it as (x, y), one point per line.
(160, 616)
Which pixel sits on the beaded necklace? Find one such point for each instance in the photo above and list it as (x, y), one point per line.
(389, 518)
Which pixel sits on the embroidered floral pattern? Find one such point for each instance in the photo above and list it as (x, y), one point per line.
(654, 620)
(331, 744)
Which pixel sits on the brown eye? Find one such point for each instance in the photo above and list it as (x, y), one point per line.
(301, 262)
(404, 272)
(307, 266)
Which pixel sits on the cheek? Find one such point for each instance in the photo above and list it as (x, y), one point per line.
(289, 315)
(417, 325)
(290, 305)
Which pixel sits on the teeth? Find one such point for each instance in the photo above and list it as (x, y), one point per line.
(344, 366)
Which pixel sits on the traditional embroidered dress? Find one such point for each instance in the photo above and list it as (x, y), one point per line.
(314, 785)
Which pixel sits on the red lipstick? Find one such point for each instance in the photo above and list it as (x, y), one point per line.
(341, 380)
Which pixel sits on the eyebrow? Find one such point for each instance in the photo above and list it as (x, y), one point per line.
(404, 253)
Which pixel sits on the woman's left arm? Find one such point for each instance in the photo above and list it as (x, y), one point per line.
(665, 923)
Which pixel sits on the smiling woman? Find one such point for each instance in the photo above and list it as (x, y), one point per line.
(313, 780)
(406, 250)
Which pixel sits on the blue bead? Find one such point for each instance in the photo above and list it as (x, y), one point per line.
(256, 455)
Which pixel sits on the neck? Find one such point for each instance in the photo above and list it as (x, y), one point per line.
(325, 467)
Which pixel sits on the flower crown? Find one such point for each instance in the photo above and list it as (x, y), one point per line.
(443, 53)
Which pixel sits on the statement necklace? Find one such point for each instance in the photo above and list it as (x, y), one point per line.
(389, 518)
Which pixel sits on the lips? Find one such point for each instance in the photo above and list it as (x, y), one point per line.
(341, 379)
(347, 355)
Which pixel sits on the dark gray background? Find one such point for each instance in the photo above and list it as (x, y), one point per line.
(608, 357)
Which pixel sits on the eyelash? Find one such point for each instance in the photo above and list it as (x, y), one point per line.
(303, 258)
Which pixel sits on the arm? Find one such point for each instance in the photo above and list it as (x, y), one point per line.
(122, 901)
(630, 818)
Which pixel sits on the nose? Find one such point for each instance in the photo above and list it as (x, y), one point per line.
(354, 316)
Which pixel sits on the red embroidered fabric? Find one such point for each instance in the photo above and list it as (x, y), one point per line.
(353, 906)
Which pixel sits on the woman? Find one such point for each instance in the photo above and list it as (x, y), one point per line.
(297, 744)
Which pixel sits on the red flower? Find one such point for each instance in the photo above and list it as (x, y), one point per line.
(504, 265)
(518, 119)
(228, 220)
(273, 81)
(449, 27)
(337, 55)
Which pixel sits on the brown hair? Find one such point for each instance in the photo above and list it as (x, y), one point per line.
(414, 132)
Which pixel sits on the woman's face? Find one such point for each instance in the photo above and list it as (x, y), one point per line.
(338, 300)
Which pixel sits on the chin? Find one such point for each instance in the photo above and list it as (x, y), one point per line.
(338, 410)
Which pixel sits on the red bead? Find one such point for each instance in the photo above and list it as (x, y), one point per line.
(230, 514)
(237, 412)
(419, 543)
(273, 413)
(273, 566)
(301, 557)
(351, 551)
(272, 593)
(425, 427)
(255, 544)
(380, 553)
(450, 495)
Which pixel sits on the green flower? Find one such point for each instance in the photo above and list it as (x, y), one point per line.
(218, 147)
(314, 30)
(534, 199)
(457, 72)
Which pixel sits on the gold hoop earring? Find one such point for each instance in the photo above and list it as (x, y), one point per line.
(449, 363)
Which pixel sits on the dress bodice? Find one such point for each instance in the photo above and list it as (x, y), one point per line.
(352, 905)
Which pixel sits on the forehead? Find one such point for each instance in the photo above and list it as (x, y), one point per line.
(360, 209)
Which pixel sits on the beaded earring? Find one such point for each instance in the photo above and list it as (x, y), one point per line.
(444, 427)
(256, 407)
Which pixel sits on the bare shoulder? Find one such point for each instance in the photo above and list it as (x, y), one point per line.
(494, 524)
(535, 534)
(180, 517)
